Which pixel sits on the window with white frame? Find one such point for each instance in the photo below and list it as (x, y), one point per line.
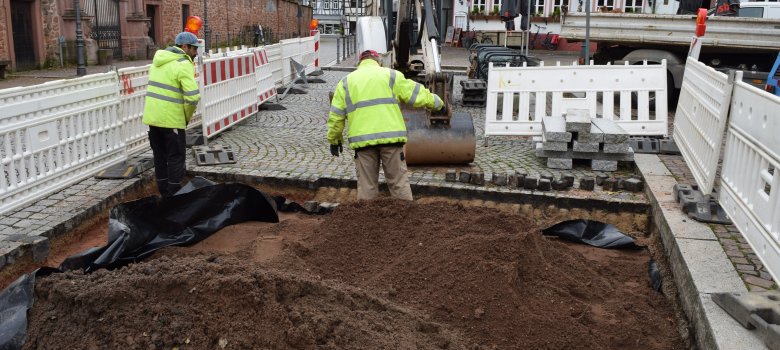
(633, 6)
(326, 5)
(496, 7)
(480, 7)
(557, 4)
(605, 5)
(537, 8)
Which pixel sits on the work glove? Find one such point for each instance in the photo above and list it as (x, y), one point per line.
(335, 150)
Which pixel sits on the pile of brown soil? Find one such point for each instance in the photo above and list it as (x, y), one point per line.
(380, 274)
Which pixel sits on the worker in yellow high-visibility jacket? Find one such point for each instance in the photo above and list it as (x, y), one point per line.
(171, 99)
(368, 98)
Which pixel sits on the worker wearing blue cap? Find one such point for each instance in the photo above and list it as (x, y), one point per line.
(171, 99)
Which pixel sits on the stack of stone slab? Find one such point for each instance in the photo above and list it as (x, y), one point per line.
(578, 136)
(474, 92)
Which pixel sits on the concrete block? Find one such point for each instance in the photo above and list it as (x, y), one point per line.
(587, 183)
(603, 165)
(559, 163)
(616, 147)
(668, 146)
(465, 177)
(584, 147)
(546, 177)
(544, 185)
(595, 135)
(560, 185)
(585, 155)
(610, 185)
(499, 179)
(633, 185)
(600, 179)
(511, 179)
(556, 146)
(530, 183)
(578, 120)
(569, 178)
(451, 176)
(478, 178)
(613, 133)
(554, 129)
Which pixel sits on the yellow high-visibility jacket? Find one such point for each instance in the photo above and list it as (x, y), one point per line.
(369, 98)
(172, 94)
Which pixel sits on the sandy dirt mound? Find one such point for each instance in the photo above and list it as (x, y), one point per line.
(372, 275)
(218, 302)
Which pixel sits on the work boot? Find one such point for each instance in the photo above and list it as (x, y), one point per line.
(162, 187)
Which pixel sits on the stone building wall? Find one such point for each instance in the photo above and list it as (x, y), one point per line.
(50, 18)
(231, 16)
(5, 31)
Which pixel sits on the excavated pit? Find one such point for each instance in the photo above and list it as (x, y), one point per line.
(433, 274)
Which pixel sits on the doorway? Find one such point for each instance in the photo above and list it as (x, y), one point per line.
(151, 12)
(22, 29)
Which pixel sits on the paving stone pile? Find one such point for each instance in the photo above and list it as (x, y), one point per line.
(578, 136)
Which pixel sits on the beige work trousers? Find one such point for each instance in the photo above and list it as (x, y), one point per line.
(367, 164)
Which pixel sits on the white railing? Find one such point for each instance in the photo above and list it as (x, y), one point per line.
(133, 83)
(517, 97)
(750, 178)
(700, 120)
(57, 133)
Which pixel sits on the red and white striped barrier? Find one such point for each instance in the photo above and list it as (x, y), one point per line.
(264, 76)
(316, 35)
(228, 93)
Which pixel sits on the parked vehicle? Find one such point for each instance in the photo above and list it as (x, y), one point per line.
(744, 43)
(774, 77)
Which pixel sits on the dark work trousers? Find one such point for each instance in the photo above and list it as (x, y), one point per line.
(168, 146)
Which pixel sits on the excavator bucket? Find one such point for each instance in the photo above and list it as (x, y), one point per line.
(445, 143)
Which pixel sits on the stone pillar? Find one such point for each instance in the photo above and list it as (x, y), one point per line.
(134, 26)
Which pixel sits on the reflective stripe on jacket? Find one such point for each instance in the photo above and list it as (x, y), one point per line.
(369, 98)
(172, 94)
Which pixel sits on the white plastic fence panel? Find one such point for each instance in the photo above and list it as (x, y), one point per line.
(750, 178)
(302, 51)
(133, 83)
(700, 121)
(266, 88)
(228, 93)
(55, 134)
(518, 97)
(275, 59)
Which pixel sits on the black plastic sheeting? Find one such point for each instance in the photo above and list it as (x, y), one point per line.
(139, 228)
(601, 235)
(595, 233)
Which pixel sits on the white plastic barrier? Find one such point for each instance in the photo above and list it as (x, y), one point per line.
(700, 121)
(524, 94)
(302, 51)
(133, 83)
(750, 178)
(55, 134)
(228, 92)
(263, 76)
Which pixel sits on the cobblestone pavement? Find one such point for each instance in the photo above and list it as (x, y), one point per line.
(745, 260)
(291, 144)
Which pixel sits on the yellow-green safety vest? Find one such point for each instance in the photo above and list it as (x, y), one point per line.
(369, 98)
(172, 94)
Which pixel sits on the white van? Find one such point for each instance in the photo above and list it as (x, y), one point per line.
(760, 9)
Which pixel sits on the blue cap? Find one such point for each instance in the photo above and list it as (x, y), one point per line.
(187, 38)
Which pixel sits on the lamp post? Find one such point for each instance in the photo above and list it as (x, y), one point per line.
(300, 15)
(81, 69)
(206, 30)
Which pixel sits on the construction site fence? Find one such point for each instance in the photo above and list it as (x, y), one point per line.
(634, 96)
(714, 106)
(55, 134)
